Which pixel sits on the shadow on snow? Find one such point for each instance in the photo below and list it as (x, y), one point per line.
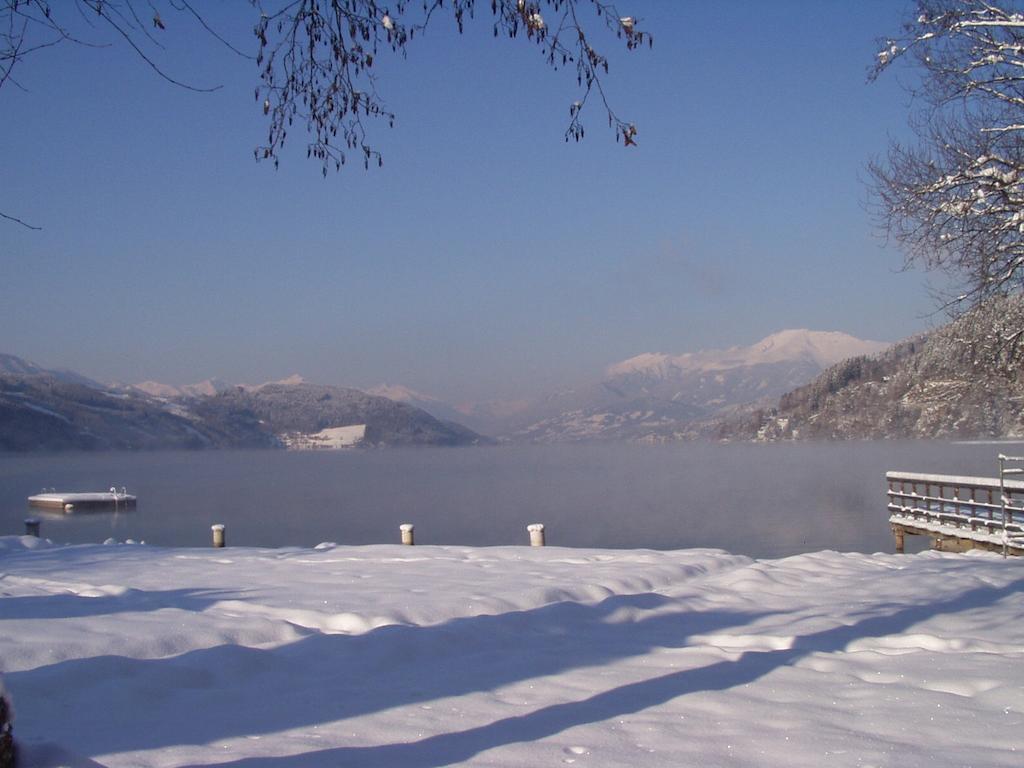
(231, 690)
(448, 748)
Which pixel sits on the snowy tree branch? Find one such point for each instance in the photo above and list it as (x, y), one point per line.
(955, 202)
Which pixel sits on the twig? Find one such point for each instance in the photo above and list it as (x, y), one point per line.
(16, 220)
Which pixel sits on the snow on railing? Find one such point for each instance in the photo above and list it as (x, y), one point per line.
(981, 509)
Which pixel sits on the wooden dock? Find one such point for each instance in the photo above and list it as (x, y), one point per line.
(74, 502)
(958, 513)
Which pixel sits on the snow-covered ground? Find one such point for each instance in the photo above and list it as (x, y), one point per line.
(129, 655)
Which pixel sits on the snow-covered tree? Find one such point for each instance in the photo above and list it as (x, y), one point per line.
(315, 58)
(955, 201)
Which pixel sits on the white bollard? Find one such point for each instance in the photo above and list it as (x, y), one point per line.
(536, 534)
(218, 534)
(32, 526)
(407, 533)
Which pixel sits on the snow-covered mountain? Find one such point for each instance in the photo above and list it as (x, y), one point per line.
(961, 381)
(288, 381)
(716, 378)
(305, 415)
(476, 416)
(492, 418)
(650, 395)
(42, 409)
(12, 365)
(201, 389)
(819, 348)
(400, 393)
(207, 387)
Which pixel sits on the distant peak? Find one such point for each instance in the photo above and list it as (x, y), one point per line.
(289, 381)
(18, 365)
(207, 388)
(824, 348)
(645, 361)
(400, 393)
(156, 389)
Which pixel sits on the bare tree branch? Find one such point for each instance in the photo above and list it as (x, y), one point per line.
(955, 201)
(27, 26)
(316, 61)
(316, 58)
(16, 220)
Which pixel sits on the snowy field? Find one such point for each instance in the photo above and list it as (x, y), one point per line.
(130, 655)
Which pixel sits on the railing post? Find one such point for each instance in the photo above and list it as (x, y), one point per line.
(897, 532)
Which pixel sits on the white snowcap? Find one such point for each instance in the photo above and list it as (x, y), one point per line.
(824, 348)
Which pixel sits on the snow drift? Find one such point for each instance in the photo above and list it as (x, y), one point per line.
(127, 655)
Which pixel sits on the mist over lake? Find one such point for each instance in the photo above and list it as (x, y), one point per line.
(759, 500)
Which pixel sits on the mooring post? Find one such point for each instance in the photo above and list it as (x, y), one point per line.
(32, 526)
(897, 532)
(536, 534)
(218, 534)
(407, 533)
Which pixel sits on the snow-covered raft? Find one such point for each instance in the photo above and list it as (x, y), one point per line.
(74, 502)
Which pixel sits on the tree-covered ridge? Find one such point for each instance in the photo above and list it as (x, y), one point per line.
(960, 381)
(42, 412)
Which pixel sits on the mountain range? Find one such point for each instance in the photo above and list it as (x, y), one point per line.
(790, 385)
(654, 393)
(961, 381)
(43, 409)
(16, 366)
(650, 396)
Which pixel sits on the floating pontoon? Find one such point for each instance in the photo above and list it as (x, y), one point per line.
(73, 502)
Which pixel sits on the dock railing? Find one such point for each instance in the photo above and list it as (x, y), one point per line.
(964, 512)
(1008, 508)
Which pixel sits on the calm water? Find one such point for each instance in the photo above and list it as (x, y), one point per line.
(760, 500)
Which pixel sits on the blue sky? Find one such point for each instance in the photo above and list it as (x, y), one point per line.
(487, 258)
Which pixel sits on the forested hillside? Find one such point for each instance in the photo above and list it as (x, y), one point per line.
(962, 380)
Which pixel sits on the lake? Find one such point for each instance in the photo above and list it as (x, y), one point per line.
(759, 500)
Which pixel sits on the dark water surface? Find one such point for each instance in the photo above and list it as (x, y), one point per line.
(759, 500)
